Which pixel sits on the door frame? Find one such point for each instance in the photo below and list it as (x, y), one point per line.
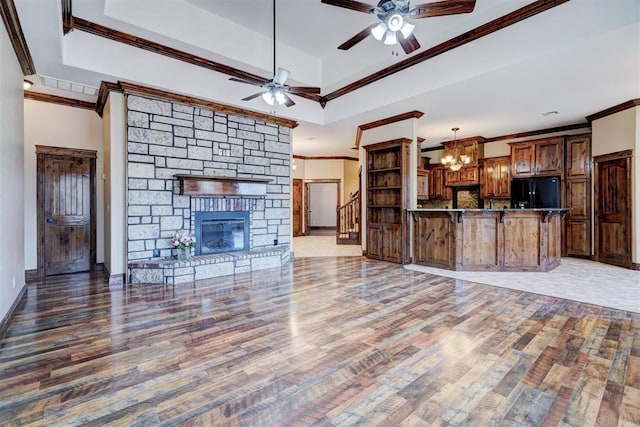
(307, 191)
(42, 153)
(302, 230)
(627, 155)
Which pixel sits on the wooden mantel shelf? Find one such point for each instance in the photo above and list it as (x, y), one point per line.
(207, 185)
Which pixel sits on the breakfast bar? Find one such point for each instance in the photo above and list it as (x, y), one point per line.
(487, 239)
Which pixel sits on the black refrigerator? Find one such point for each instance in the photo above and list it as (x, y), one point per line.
(538, 192)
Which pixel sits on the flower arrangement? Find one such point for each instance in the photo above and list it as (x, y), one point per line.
(183, 240)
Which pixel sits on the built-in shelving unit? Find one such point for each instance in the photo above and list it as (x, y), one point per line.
(387, 198)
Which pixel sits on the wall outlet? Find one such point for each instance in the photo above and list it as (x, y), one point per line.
(14, 282)
(275, 242)
(156, 253)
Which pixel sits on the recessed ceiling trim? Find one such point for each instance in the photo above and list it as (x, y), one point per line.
(386, 121)
(67, 16)
(61, 100)
(14, 30)
(151, 46)
(504, 21)
(612, 110)
(134, 89)
(296, 156)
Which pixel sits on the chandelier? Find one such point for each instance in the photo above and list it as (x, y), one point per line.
(454, 161)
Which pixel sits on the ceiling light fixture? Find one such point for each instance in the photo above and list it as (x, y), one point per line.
(454, 161)
(392, 23)
(26, 84)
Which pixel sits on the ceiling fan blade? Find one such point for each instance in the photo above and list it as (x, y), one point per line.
(409, 44)
(281, 76)
(304, 89)
(350, 4)
(288, 101)
(357, 38)
(248, 82)
(445, 7)
(255, 95)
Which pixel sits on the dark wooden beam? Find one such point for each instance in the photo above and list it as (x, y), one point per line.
(474, 34)
(67, 16)
(103, 95)
(134, 89)
(61, 100)
(382, 122)
(14, 30)
(151, 46)
(612, 110)
(295, 156)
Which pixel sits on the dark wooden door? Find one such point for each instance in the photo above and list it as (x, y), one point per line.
(65, 205)
(613, 209)
(297, 207)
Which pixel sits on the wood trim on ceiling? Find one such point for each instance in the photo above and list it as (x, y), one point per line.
(612, 110)
(151, 46)
(61, 100)
(14, 30)
(514, 17)
(134, 89)
(103, 95)
(295, 156)
(517, 135)
(415, 114)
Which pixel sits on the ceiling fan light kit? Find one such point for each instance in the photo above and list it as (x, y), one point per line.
(394, 26)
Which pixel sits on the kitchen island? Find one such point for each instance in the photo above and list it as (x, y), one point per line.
(487, 239)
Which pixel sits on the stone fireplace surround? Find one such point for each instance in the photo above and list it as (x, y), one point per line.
(167, 139)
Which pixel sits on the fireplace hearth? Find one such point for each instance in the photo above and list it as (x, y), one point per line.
(221, 232)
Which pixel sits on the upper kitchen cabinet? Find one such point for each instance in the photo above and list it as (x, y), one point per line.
(495, 178)
(469, 174)
(541, 157)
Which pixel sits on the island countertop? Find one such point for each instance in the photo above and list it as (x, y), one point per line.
(488, 239)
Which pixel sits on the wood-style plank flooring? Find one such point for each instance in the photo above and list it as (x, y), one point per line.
(322, 341)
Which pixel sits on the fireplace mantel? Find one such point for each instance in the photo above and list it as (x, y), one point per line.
(207, 185)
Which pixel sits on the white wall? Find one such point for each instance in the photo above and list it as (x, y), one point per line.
(115, 208)
(323, 200)
(11, 176)
(58, 126)
(618, 132)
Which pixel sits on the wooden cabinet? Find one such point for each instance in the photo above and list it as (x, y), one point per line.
(469, 174)
(423, 184)
(387, 199)
(495, 178)
(577, 231)
(541, 157)
(437, 188)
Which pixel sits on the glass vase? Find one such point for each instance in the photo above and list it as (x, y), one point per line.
(184, 254)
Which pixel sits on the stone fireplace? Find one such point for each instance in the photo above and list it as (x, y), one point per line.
(241, 170)
(219, 232)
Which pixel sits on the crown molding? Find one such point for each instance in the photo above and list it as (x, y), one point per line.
(386, 121)
(612, 110)
(14, 30)
(295, 156)
(474, 34)
(61, 100)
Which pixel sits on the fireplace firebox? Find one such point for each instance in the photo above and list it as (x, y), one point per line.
(218, 232)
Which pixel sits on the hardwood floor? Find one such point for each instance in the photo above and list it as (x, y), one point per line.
(323, 341)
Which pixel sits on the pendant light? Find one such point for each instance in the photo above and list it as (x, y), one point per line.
(454, 161)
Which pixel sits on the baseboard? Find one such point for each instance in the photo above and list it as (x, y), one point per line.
(114, 280)
(31, 276)
(635, 266)
(4, 325)
(323, 228)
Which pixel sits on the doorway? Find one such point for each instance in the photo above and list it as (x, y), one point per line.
(613, 208)
(66, 210)
(320, 206)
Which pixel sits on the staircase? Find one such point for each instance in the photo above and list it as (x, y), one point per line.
(348, 230)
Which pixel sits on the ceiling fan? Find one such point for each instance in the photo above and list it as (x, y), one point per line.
(394, 26)
(276, 90)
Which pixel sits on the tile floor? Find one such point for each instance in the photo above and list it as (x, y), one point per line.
(576, 279)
